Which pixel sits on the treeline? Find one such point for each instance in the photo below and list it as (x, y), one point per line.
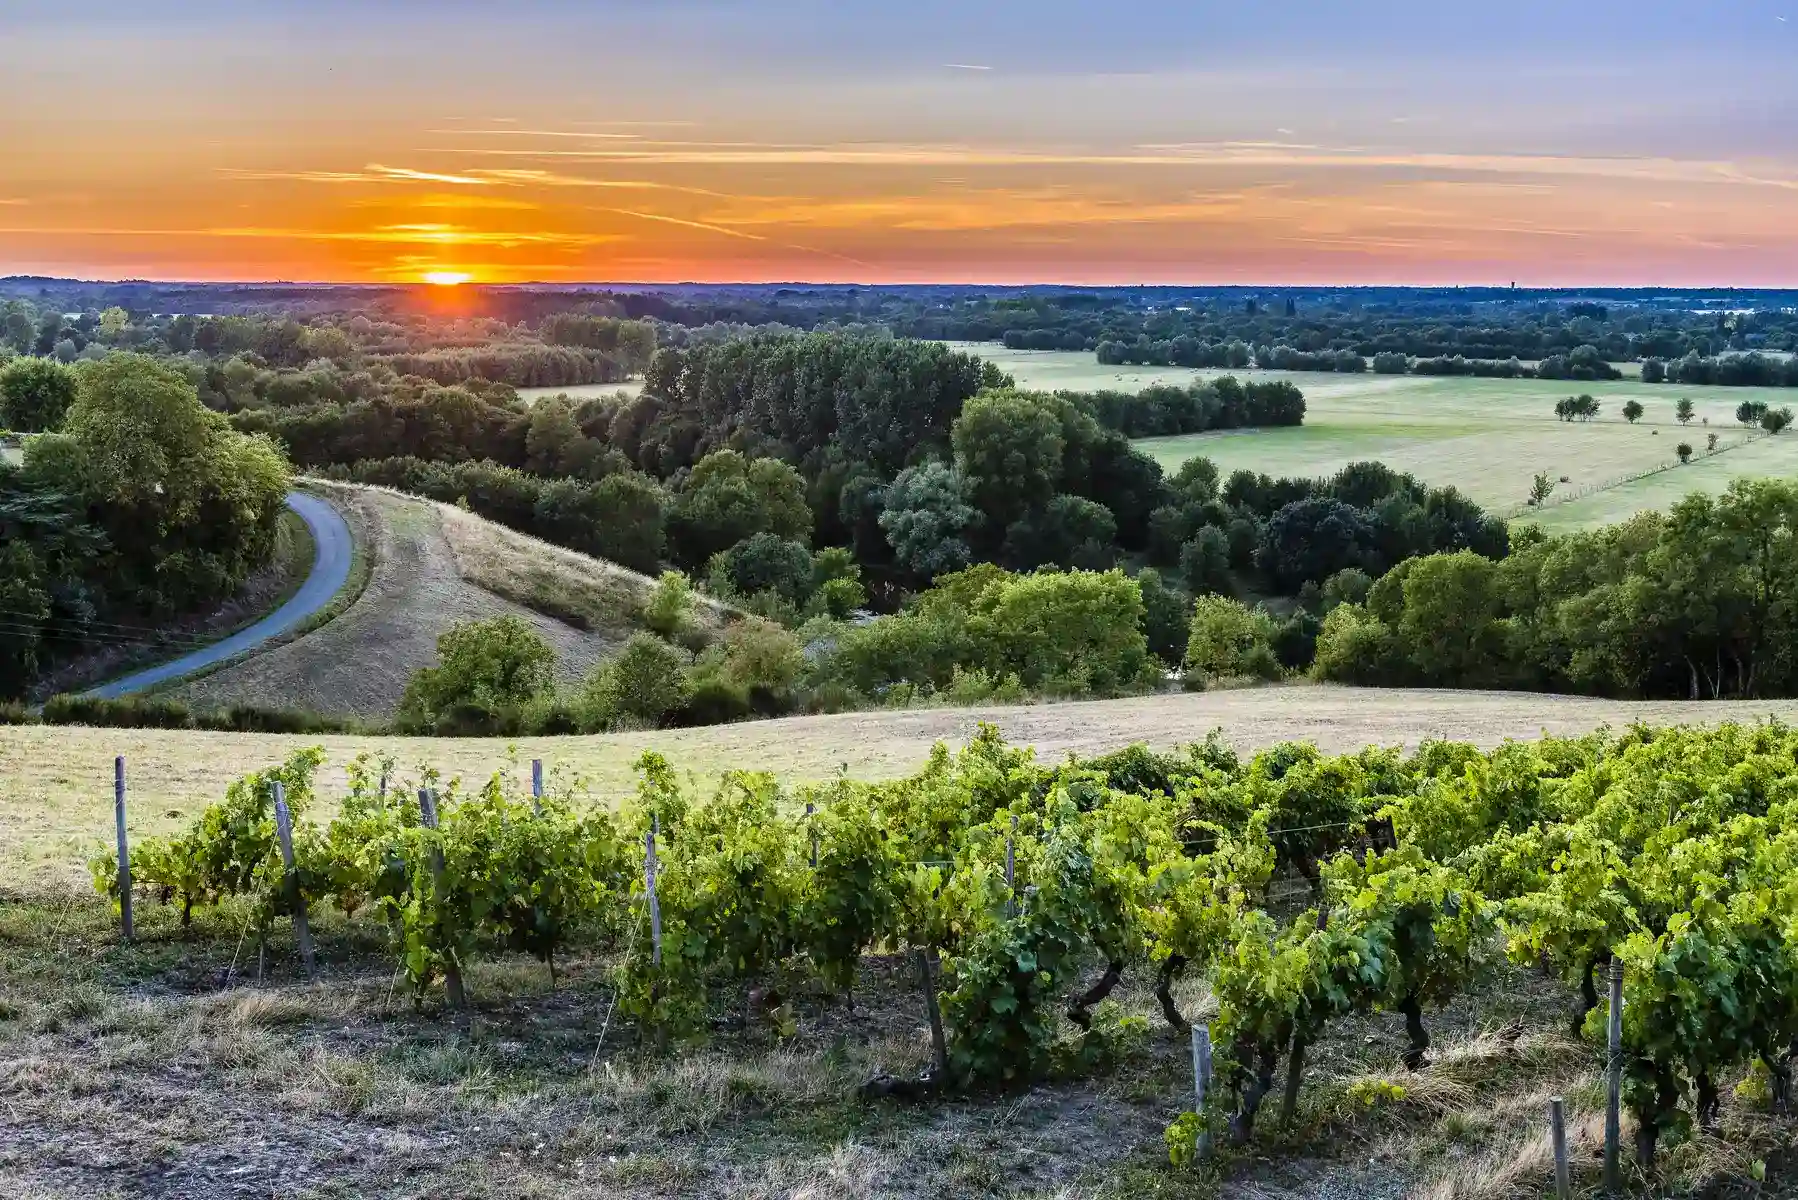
(135, 504)
(518, 365)
(567, 349)
(1581, 362)
(1728, 370)
(1693, 604)
(1165, 409)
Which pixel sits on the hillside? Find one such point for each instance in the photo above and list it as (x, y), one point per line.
(433, 565)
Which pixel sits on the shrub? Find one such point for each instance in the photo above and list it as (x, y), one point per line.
(1078, 625)
(669, 611)
(645, 684)
(1229, 639)
(761, 657)
(484, 667)
(134, 712)
(838, 599)
(764, 563)
(117, 714)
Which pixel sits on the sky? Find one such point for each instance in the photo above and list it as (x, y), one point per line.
(987, 141)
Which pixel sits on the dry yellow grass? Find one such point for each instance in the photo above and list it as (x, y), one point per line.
(588, 592)
(55, 783)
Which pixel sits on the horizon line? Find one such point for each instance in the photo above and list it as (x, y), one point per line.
(413, 285)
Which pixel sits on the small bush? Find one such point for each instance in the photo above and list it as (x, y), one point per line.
(117, 714)
(494, 667)
(1230, 639)
(669, 611)
(645, 684)
(149, 713)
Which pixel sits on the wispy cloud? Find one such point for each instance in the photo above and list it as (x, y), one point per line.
(966, 67)
(1168, 154)
(421, 234)
(733, 233)
(542, 133)
(525, 177)
(373, 173)
(667, 220)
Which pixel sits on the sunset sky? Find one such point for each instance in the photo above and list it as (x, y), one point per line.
(1550, 143)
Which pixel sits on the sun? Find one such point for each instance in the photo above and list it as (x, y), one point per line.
(446, 278)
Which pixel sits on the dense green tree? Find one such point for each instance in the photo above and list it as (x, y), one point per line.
(644, 685)
(1008, 449)
(1167, 618)
(485, 669)
(764, 562)
(1313, 540)
(728, 498)
(1068, 531)
(1682, 411)
(1228, 639)
(189, 507)
(1632, 411)
(1205, 562)
(35, 394)
(928, 521)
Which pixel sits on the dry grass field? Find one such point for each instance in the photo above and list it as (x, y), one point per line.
(1488, 437)
(433, 566)
(56, 797)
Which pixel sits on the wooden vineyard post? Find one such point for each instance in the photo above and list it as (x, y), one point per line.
(649, 880)
(1201, 1083)
(290, 883)
(452, 971)
(1011, 868)
(537, 785)
(1613, 1071)
(1557, 1129)
(118, 809)
(938, 1045)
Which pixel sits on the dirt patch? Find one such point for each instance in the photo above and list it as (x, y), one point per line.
(359, 664)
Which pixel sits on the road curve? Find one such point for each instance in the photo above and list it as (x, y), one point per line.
(330, 571)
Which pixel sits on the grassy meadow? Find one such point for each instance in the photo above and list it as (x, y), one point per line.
(1488, 437)
(584, 391)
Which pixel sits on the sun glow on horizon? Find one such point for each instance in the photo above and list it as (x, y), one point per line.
(447, 278)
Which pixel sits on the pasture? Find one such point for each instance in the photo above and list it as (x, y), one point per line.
(1488, 437)
(583, 391)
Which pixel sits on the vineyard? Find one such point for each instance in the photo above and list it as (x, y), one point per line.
(1303, 890)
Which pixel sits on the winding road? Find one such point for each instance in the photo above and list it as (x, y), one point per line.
(330, 571)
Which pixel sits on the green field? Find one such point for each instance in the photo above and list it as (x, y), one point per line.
(584, 391)
(1488, 437)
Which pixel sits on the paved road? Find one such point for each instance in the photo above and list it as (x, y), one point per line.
(330, 571)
